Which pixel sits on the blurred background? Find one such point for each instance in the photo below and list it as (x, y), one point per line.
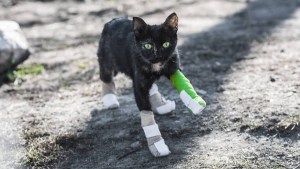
(242, 56)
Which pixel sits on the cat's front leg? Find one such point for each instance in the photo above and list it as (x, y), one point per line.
(156, 143)
(187, 93)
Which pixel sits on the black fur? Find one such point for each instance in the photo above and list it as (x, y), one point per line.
(121, 49)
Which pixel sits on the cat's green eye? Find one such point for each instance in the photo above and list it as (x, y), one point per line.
(166, 44)
(148, 46)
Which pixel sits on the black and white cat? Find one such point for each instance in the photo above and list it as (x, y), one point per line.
(144, 53)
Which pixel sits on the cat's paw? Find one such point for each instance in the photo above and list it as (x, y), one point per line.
(156, 143)
(159, 149)
(167, 107)
(196, 106)
(110, 101)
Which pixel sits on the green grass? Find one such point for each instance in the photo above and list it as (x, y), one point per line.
(33, 70)
(82, 65)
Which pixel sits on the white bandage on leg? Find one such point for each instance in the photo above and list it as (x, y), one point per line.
(167, 108)
(109, 95)
(159, 104)
(162, 147)
(156, 143)
(153, 90)
(192, 104)
(110, 101)
(151, 131)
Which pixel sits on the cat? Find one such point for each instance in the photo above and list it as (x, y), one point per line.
(144, 53)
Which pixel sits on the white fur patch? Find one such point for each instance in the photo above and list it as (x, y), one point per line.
(157, 67)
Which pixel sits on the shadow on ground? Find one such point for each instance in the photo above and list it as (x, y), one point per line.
(114, 138)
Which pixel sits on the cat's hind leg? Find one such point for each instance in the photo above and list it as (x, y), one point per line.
(159, 104)
(109, 96)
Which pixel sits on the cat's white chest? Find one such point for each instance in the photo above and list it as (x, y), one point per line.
(157, 67)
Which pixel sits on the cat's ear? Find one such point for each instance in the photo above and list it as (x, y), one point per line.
(139, 26)
(171, 23)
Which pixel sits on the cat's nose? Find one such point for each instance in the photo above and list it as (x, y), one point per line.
(157, 56)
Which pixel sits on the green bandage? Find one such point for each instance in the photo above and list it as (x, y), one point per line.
(187, 93)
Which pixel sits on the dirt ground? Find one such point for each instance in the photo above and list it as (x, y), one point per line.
(242, 57)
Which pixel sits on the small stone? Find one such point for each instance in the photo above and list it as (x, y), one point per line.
(235, 119)
(213, 107)
(110, 160)
(72, 11)
(272, 159)
(135, 144)
(220, 89)
(272, 79)
(200, 91)
(218, 63)
(185, 112)
(218, 67)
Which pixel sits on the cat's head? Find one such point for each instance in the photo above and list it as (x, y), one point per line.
(156, 43)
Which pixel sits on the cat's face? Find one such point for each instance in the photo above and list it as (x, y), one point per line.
(156, 43)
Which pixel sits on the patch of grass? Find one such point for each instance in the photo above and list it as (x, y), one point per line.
(10, 75)
(82, 65)
(44, 150)
(41, 149)
(288, 126)
(233, 163)
(292, 120)
(32, 70)
(279, 164)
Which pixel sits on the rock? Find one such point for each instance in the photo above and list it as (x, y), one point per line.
(272, 79)
(213, 107)
(272, 159)
(200, 91)
(219, 67)
(136, 144)
(235, 119)
(220, 89)
(13, 46)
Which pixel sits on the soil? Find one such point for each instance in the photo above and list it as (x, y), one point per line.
(242, 57)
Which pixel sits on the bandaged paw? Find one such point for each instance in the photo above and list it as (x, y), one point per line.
(156, 143)
(191, 103)
(110, 101)
(109, 95)
(188, 95)
(159, 104)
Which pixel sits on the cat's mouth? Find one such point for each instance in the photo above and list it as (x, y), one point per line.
(157, 60)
